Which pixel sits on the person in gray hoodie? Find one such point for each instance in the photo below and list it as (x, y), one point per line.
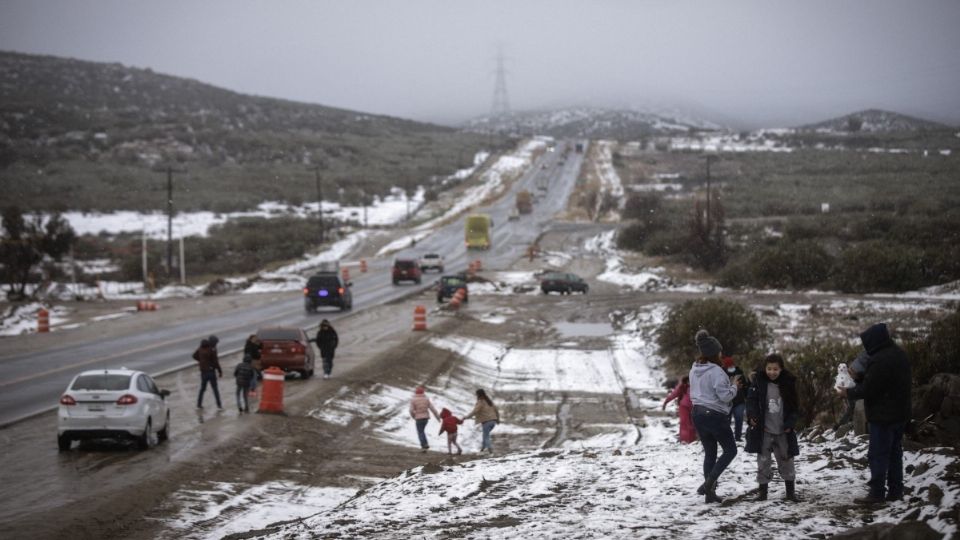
(712, 392)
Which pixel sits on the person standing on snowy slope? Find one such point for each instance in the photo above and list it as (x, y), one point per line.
(738, 406)
(420, 409)
(772, 412)
(885, 391)
(712, 392)
(681, 393)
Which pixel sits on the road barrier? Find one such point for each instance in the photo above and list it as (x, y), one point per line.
(363, 265)
(271, 400)
(43, 321)
(458, 298)
(346, 274)
(419, 318)
(472, 268)
(146, 305)
(478, 264)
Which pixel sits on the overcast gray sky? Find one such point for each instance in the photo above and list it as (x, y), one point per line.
(748, 63)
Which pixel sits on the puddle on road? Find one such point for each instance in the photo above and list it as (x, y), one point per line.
(570, 329)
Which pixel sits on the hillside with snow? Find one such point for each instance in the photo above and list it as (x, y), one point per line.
(593, 123)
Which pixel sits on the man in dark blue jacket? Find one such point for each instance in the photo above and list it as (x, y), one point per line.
(886, 393)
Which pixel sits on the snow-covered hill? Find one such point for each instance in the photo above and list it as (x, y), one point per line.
(874, 121)
(593, 122)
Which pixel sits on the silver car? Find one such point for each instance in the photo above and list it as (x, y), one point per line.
(113, 403)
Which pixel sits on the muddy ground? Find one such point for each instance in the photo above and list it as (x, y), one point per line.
(107, 492)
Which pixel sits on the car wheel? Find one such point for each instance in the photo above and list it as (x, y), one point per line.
(544, 291)
(418, 281)
(64, 442)
(164, 433)
(143, 441)
(396, 281)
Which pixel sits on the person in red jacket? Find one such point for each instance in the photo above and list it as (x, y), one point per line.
(449, 423)
(681, 393)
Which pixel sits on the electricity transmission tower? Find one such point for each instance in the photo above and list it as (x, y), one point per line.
(501, 103)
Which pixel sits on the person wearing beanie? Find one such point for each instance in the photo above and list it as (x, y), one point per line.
(420, 409)
(712, 393)
(885, 391)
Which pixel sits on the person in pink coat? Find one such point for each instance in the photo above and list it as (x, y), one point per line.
(420, 409)
(681, 393)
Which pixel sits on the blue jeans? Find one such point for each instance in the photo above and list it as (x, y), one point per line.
(886, 459)
(242, 402)
(209, 377)
(487, 428)
(713, 427)
(737, 413)
(421, 427)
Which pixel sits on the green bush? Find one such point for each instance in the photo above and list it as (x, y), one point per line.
(785, 264)
(939, 352)
(879, 266)
(738, 329)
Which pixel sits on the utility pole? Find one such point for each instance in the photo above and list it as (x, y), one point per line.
(170, 172)
(501, 103)
(316, 171)
(710, 158)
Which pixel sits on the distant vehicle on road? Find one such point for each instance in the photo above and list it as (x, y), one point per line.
(524, 202)
(431, 261)
(406, 270)
(327, 289)
(288, 348)
(477, 231)
(513, 215)
(113, 403)
(578, 148)
(447, 286)
(563, 283)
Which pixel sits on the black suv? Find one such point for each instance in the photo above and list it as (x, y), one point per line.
(327, 289)
(447, 286)
(563, 283)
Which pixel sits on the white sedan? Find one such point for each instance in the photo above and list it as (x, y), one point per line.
(113, 403)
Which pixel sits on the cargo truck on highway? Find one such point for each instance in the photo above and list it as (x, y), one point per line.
(477, 231)
(524, 202)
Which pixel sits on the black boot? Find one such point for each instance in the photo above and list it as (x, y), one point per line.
(710, 493)
(762, 492)
(791, 491)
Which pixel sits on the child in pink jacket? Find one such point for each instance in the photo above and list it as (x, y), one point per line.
(448, 423)
(688, 433)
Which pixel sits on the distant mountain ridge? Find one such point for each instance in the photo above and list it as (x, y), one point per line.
(875, 121)
(592, 122)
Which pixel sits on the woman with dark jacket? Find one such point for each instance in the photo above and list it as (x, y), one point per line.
(772, 413)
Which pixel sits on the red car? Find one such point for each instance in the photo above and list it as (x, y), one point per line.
(287, 348)
(406, 270)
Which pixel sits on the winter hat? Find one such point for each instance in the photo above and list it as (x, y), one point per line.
(420, 390)
(859, 364)
(213, 340)
(727, 361)
(875, 338)
(708, 345)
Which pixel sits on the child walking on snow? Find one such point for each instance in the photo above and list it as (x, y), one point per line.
(448, 423)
